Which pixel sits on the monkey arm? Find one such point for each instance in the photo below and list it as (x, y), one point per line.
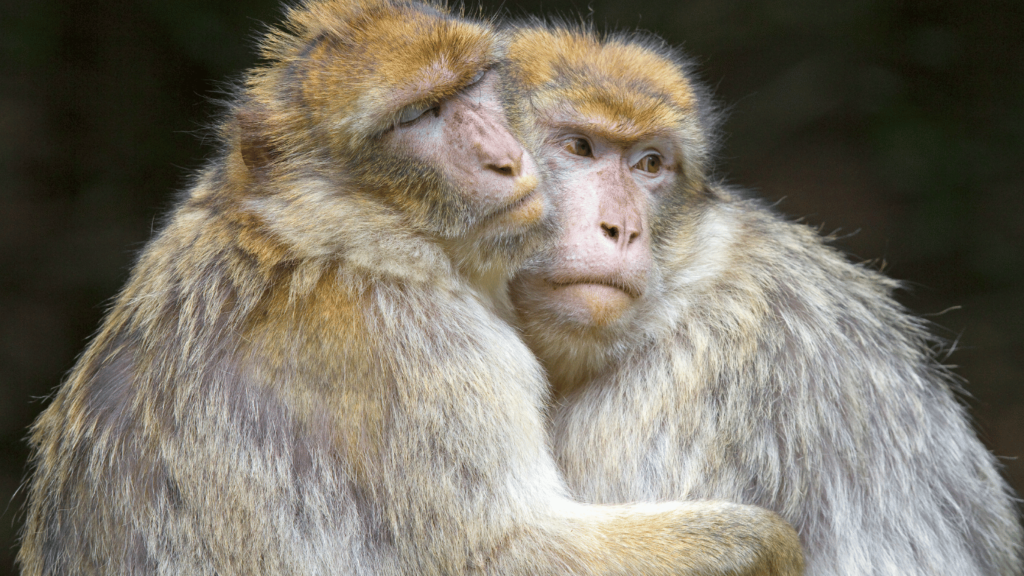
(234, 418)
(478, 452)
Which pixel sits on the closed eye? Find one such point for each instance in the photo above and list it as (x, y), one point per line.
(414, 112)
(476, 78)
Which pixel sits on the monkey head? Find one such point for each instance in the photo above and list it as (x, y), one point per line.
(623, 139)
(393, 108)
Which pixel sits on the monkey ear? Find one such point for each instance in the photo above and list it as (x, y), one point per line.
(257, 151)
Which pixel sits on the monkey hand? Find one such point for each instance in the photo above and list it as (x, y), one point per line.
(745, 539)
(711, 537)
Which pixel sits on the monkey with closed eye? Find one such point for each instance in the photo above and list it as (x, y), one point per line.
(308, 373)
(700, 346)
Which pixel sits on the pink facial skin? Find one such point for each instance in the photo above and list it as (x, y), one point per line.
(467, 135)
(598, 268)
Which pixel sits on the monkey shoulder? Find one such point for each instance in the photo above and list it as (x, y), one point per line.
(781, 303)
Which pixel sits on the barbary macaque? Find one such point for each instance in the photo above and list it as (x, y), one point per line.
(307, 372)
(701, 346)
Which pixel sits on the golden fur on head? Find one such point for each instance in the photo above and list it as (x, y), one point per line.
(368, 60)
(621, 88)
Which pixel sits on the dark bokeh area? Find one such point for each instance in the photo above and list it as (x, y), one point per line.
(898, 125)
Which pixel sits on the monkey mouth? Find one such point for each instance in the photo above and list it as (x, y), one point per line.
(514, 205)
(527, 208)
(632, 290)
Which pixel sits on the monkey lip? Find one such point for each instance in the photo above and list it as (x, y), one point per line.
(594, 304)
(524, 210)
(630, 290)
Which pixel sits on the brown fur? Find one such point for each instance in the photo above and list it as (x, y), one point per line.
(759, 365)
(306, 373)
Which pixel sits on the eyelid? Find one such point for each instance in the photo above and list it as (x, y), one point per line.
(649, 152)
(414, 112)
(567, 140)
(477, 77)
(662, 165)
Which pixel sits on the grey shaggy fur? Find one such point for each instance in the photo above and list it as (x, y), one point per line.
(765, 368)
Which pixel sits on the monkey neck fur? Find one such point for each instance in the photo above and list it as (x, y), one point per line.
(488, 276)
(360, 234)
(364, 240)
(573, 357)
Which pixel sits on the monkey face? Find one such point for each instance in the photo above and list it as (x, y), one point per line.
(599, 266)
(623, 147)
(491, 178)
(456, 169)
(427, 129)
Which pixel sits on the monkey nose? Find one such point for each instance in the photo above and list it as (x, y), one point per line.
(622, 234)
(504, 160)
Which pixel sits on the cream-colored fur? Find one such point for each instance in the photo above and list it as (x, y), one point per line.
(305, 373)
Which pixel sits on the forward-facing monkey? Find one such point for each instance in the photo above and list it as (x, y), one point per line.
(701, 346)
(306, 373)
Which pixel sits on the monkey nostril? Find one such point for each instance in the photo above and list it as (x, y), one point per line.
(503, 169)
(506, 164)
(610, 231)
(633, 236)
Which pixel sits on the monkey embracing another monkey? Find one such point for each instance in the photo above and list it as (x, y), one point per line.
(306, 373)
(701, 346)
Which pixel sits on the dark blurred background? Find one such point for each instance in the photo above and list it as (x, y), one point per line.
(897, 124)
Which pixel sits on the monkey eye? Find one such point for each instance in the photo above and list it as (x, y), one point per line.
(579, 146)
(476, 78)
(650, 164)
(414, 112)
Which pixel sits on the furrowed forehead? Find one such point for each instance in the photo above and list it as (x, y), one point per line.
(362, 65)
(406, 49)
(424, 54)
(620, 114)
(620, 88)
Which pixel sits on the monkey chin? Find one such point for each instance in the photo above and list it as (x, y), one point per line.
(594, 305)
